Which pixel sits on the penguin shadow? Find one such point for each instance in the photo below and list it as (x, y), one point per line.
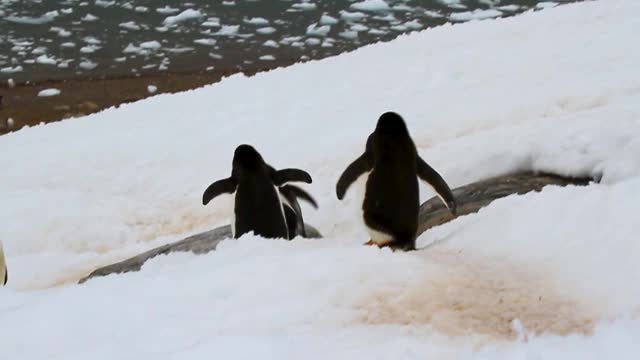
(264, 201)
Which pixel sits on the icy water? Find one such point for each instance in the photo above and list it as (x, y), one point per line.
(52, 39)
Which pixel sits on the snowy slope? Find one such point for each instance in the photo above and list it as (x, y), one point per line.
(556, 90)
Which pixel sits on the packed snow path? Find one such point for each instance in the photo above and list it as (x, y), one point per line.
(556, 90)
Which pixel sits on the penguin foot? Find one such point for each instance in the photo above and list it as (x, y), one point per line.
(370, 243)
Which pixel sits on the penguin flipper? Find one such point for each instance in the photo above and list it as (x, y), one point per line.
(283, 176)
(429, 175)
(292, 190)
(6, 275)
(358, 167)
(295, 222)
(224, 186)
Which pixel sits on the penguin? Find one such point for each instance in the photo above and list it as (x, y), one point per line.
(292, 210)
(393, 166)
(258, 206)
(4, 274)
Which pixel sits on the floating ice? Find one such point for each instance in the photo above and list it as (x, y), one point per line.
(11, 69)
(315, 30)
(266, 30)
(166, 10)
(327, 20)
(87, 65)
(89, 17)
(352, 16)
(211, 22)
(45, 60)
(257, 21)
(271, 43)
(349, 34)
(509, 8)
(91, 40)
(130, 25)
(179, 50)
(46, 18)
(304, 6)
(414, 24)
(141, 9)
(267, 57)
(49, 92)
(403, 7)
(359, 27)
(61, 32)
(89, 49)
(68, 44)
(377, 32)
(546, 5)
(228, 30)
(152, 89)
(475, 15)
(150, 45)
(433, 14)
(388, 17)
(371, 5)
(206, 42)
(104, 3)
(313, 41)
(186, 15)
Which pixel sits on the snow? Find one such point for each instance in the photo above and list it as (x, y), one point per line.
(152, 89)
(49, 92)
(555, 90)
(186, 15)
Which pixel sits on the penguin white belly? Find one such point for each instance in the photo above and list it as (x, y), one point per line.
(378, 237)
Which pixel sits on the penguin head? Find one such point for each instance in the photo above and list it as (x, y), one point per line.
(391, 124)
(390, 135)
(246, 158)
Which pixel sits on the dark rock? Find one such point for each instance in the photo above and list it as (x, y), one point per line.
(198, 244)
(474, 196)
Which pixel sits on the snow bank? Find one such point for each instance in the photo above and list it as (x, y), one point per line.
(551, 274)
